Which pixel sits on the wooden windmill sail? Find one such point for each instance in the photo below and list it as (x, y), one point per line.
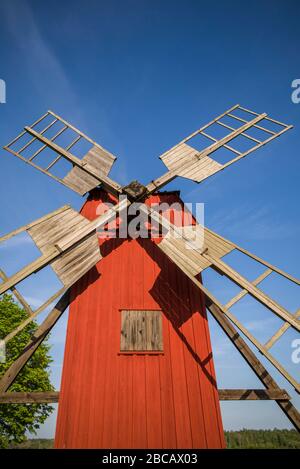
(69, 244)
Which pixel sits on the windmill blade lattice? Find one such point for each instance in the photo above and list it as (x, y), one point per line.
(185, 160)
(39, 145)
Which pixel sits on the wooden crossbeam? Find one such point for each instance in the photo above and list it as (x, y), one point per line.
(253, 291)
(251, 395)
(257, 258)
(111, 185)
(35, 222)
(280, 331)
(244, 292)
(29, 397)
(31, 268)
(224, 395)
(17, 294)
(34, 314)
(43, 330)
(261, 372)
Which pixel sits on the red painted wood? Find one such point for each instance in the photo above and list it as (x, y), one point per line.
(110, 400)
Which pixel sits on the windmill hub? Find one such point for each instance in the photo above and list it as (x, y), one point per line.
(135, 190)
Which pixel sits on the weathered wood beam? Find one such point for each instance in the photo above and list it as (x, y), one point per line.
(43, 330)
(33, 223)
(29, 397)
(111, 185)
(280, 332)
(34, 314)
(252, 395)
(35, 266)
(261, 372)
(17, 295)
(257, 259)
(243, 293)
(259, 295)
(224, 395)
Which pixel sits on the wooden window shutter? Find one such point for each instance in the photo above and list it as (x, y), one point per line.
(141, 331)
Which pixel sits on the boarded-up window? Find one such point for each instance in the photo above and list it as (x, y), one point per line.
(141, 331)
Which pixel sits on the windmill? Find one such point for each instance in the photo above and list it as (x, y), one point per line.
(138, 367)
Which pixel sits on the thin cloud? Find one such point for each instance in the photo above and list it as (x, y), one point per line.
(253, 223)
(20, 21)
(19, 240)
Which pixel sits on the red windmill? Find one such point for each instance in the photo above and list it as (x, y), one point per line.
(138, 367)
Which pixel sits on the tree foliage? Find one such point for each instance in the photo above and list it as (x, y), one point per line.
(18, 419)
(262, 439)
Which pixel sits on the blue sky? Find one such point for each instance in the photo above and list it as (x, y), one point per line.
(137, 77)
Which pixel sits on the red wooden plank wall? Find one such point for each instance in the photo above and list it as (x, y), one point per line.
(109, 400)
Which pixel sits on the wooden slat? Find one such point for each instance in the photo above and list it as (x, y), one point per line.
(280, 332)
(259, 369)
(102, 220)
(77, 131)
(240, 119)
(198, 166)
(181, 246)
(141, 331)
(18, 295)
(30, 225)
(43, 330)
(33, 315)
(24, 132)
(225, 146)
(29, 397)
(256, 147)
(42, 170)
(224, 395)
(193, 134)
(253, 291)
(43, 147)
(31, 268)
(256, 258)
(249, 137)
(253, 395)
(243, 293)
(106, 181)
(98, 159)
(33, 139)
(72, 264)
(124, 330)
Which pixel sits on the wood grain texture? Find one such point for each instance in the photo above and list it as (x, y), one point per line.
(100, 160)
(141, 330)
(75, 262)
(186, 161)
(187, 245)
(224, 395)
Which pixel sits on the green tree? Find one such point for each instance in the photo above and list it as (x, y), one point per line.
(17, 419)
